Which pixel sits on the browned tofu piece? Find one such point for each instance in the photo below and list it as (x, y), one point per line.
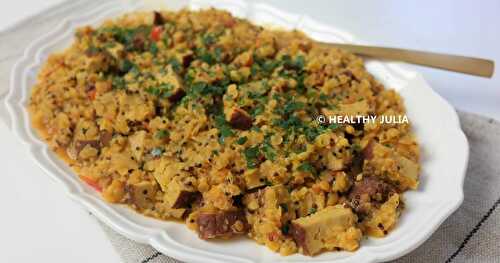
(333, 227)
(185, 58)
(383, 161)
(177, 85)
(383, 219)
(177, 95)
(369, 192)
(142, 194)
(240, 119)
(102, 141)
(158, 18)
(186, 198)
(80, 144)
(180, 195)
(244, 59)
(221, 224)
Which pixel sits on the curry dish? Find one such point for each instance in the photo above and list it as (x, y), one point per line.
(206, 118)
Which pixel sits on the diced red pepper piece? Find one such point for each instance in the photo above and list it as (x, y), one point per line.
(92, 183)
(91, 94)
(156, 33)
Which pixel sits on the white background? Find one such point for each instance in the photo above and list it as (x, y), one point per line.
(37, 221)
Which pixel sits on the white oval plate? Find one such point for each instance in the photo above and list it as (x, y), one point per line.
(444, 148)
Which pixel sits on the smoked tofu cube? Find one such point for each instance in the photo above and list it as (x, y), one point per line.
(137, 144)
(176, 85)
(408, 169)
(239, 119)
(333, 227)
(383, 219)
(221, 224)
(384, 161)
(180, 195)
(142, 194)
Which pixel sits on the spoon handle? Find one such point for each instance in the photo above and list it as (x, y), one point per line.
(467, 65)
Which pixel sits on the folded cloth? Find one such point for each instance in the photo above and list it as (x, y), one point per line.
(471, 234)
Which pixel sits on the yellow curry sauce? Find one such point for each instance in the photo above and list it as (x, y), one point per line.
(207, 118)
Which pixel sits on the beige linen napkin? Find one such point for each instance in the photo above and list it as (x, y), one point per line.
(471, 234)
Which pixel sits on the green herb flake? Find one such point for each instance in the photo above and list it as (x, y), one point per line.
(161, 134)
(308, 168)
(218, 54)
(208, 39)
(269, 152)
(242, 140)
(333, 126)
(257, 110)
(153, 48)
(118, 83)
(267, 149)
(205, 56)
(251, 155)
(176, 65)
(224, 128)
(162, 91)
(293, 106)
(323, 96)
(285, 229)
(125, 65)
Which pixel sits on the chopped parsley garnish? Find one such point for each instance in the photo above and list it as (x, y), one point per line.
(118, 83)
(153, 48)
(218, 54)
(333, 126)
(308, 168)
(242, 140)
(267, 148)
(92, 50)
(257, 110)
(251, 155)
(224, 128)
(209, 39)
(292, 106)
(295, 64)
(129, 37)
(285, 229)
(269, 152)
(161, 134)
(176, 65)
(205, 56)
(126, 65)
(162, 91)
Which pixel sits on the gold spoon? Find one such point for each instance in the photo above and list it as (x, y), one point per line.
(467, 65)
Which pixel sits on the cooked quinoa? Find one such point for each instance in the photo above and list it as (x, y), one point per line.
(209, 119)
